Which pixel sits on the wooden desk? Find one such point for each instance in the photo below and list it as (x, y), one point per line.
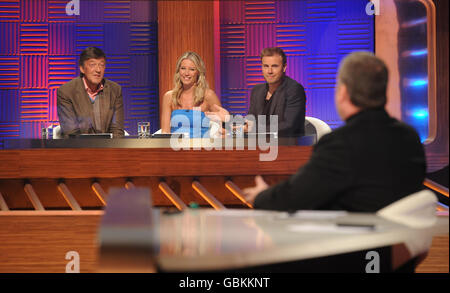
(115, 163)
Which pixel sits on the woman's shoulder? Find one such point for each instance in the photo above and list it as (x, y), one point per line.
(168, 93)
(210, 95)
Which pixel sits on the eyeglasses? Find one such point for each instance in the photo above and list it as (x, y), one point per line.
(94, 65)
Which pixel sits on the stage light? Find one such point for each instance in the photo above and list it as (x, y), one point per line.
(418, 82)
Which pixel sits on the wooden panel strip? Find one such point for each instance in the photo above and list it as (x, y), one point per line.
(49, 213)
(143, 162)
(207, 196)
(3, 205)
(237, 192)
(98, 190)
(62, 187)
(172, 196)
(32, 196)
(184, 26)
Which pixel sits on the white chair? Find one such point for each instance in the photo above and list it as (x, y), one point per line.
(57, 132)
(316, 126)
(417, 211)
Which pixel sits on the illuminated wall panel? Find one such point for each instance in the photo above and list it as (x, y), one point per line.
(39, 49)
(314, 34)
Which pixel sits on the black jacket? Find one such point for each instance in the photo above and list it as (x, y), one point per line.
(288, 102)
(363, 166)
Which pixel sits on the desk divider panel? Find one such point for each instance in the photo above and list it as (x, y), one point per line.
(32, 196)
(65, 192)
(3, 205)
(172, 196)
(200, 189)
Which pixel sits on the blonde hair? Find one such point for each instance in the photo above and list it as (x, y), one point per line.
(200, 85)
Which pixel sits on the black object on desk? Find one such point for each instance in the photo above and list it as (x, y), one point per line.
(91, 135)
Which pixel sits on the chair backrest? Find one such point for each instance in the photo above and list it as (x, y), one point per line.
(417, 210)
(57, 132)
(316, 126)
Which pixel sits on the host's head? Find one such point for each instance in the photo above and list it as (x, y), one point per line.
(92, 66)
(361, 84)
(190, 72)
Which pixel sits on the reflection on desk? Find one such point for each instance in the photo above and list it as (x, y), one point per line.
(206, 240)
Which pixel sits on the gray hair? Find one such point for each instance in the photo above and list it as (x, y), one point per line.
(365, 77)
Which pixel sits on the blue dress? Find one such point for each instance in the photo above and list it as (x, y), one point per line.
(194, 122)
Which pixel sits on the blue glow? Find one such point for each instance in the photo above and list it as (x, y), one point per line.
(414, 22)
(420, 114)
(418, 82)
(419, 52)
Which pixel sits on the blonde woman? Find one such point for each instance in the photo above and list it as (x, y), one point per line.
(191, 101)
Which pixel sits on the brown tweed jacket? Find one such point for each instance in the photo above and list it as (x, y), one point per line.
(76, 114)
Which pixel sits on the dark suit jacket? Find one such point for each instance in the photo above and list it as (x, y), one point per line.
(363, 166)
(75, 110)
(288, 103)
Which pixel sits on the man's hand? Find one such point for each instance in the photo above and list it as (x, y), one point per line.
(218, 114)
(250, 193)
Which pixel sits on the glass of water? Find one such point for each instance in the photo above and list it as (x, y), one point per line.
(238, 129)
(144, 129)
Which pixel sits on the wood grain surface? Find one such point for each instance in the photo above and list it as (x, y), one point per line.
(113, 163)
(184, 26)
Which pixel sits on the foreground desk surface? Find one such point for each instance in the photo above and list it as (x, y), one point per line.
(208, 240)
(33, 241)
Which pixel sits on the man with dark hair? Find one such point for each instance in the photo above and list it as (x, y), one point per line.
(280, 95)
(90, 103)
(369, 163)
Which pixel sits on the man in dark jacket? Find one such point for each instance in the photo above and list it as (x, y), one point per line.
(280, 96)
(370, 162)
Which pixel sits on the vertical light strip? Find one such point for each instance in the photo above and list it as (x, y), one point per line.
(217, 70)
(431, 42)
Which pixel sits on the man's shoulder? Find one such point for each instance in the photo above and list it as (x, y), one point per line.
(114, 85)
(259, 87)
(292, 83)
(70, 84)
